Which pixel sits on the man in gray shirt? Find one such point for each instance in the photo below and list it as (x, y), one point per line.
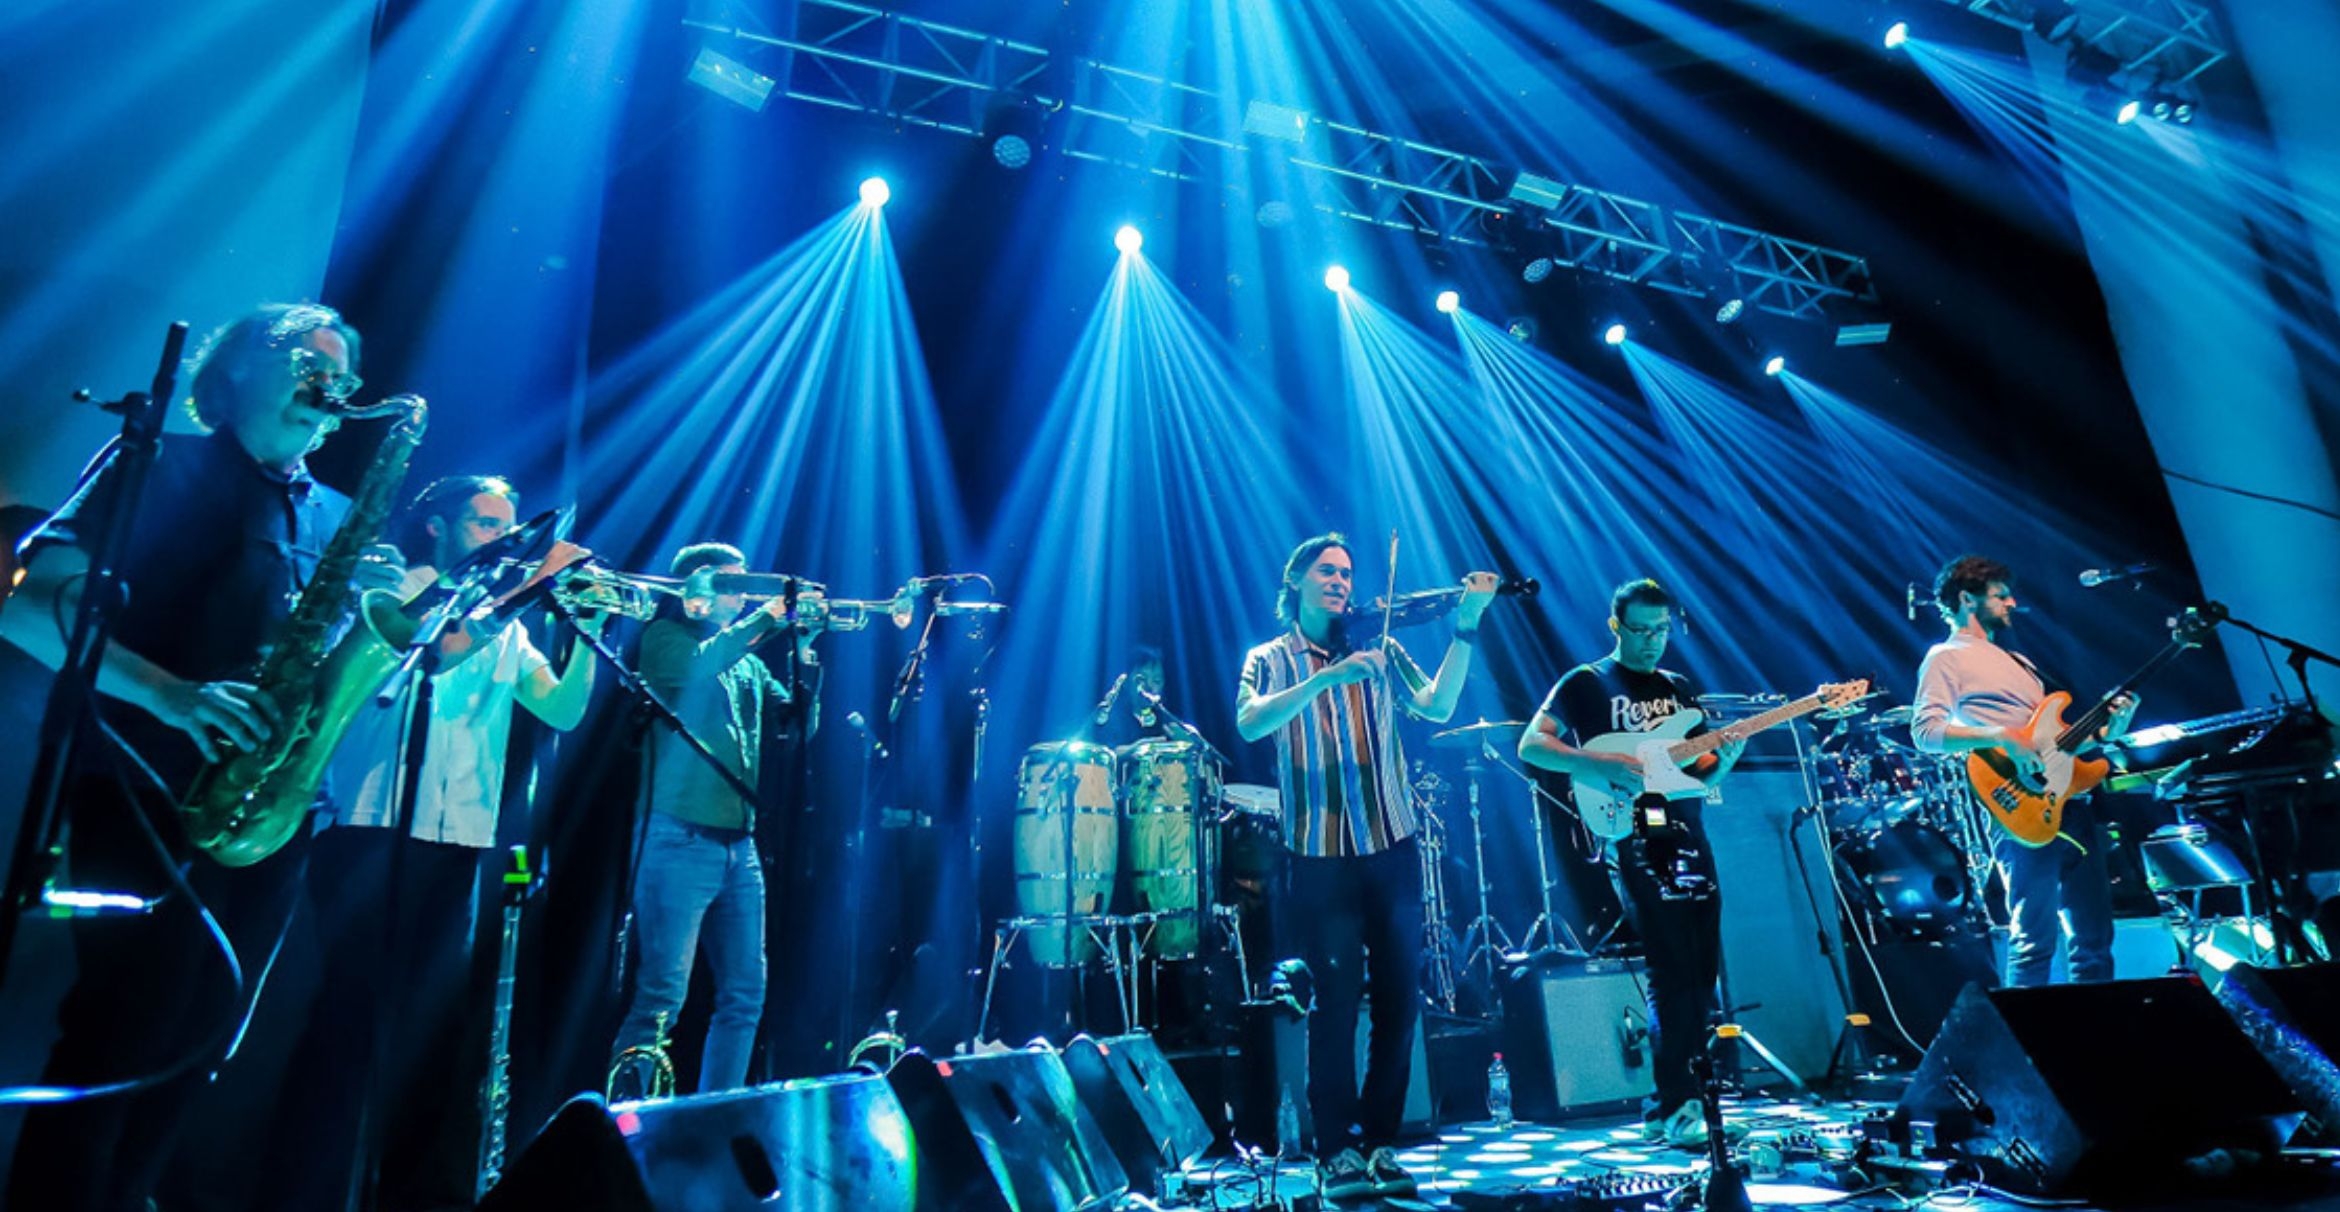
(1974, 693)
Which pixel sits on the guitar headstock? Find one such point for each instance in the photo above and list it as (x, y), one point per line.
(1837, 696)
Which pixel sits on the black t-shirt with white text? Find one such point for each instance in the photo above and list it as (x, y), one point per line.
(1603, 697)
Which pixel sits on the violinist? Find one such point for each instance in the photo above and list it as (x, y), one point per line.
(1354, 877)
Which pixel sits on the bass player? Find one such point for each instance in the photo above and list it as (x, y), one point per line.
(1976, 693)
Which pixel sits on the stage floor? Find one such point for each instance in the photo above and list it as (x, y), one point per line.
(1787, 1147)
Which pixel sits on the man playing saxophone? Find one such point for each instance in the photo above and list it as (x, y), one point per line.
(698, 880)
(408, 971)
(229, 531)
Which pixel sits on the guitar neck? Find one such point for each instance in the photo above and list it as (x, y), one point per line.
(1699, 746)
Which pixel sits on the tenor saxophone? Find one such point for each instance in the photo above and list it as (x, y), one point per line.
(245, 808)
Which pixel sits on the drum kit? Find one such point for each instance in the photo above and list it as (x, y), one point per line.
(1911, 847)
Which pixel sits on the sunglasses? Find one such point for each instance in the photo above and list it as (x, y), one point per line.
(314, 369)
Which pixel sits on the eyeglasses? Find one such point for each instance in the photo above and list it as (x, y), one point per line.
(1648, 631)
(316, 370)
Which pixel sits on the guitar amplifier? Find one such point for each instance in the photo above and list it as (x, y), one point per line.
(1576, 1038)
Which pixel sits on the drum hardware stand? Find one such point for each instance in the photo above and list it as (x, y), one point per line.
(1438, 942)
(1558, 937)
(1489, 932)
(1731, 1035)
(1106, 930)
(1853, 1060)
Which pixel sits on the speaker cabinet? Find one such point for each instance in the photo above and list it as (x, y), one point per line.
(1149, 1119)
(1576, 1038)
(2093, 1089)
(1418, 1118)
(833, 1143)
(2292, 1015)
(1003, 1130)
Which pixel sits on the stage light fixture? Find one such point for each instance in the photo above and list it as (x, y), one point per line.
(1522, 329)
(1128, 240)
(2128, 111)
(1449, 301)
(874, 192)
(1730, 311)
(731, 80)
(1614, 334)
(2054, 20)
(1896, 34)
(1536, 270)
(1336, 279)
(1012, 126)
(2182, 113)
(1773, 367)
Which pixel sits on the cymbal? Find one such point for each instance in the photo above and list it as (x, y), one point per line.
(1891, 717)
(1470, 736)
(1849, 710)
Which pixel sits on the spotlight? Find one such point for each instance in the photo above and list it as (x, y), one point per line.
(2128, 111)
(1012, 124)
(1129, 240)
(1537, 270)
(1521, 329)
(1730, 311)
(1336, 279)
(2182, 113)
(1614, 334)
(1897, 34)
(1449, 301)
(874, 192)
(1774, 366)
(2054, 20)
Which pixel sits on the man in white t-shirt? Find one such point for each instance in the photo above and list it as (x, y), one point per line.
(396, 891)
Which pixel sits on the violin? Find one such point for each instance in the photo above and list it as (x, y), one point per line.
(1364, 623)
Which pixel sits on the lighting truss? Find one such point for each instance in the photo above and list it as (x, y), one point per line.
(2156, 41)
(849, 56)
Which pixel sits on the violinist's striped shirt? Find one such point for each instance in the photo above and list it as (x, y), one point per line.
(1343, 778)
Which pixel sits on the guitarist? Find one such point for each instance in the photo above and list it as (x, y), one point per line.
(1664, 876)
(1976, 693)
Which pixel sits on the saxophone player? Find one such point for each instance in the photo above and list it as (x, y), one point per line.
(228, 533)
(410, 974)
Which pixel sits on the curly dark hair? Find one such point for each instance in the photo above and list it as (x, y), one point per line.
(236, 348)
(1967, 574)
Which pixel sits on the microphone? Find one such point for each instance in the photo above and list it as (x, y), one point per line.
(2101, 576)
(856, 721)
(1112, 696)
(1911, 597)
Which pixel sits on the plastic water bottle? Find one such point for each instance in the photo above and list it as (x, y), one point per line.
(1499, 1093)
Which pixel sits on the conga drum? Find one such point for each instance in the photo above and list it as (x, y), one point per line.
(1166, 788)
(1067, 832)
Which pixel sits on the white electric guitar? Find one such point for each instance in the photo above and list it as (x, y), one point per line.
(1665, 749)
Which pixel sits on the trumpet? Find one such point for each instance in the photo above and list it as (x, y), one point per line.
(634, 595)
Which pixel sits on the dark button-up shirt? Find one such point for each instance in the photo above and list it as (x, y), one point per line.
(219, 551)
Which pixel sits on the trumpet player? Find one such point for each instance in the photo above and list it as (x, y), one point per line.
(698, 880)
(229, 528)
(415, 801)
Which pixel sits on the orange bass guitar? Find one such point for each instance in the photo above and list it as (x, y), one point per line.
(2032, 810)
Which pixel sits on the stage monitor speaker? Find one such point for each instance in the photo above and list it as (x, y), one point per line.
(1576, 1038)
(1004, 1130)
(831, 1143)
(2094, 1089)
(2292, 1015)
(1149, 1120)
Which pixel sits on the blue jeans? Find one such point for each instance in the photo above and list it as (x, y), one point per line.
(697, 886)
(2064, 886)
(1357, 921)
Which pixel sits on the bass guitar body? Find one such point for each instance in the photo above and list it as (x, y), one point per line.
(2032, 811)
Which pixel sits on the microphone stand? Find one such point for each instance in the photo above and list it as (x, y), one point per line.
(65, 719)
(2298, 655)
